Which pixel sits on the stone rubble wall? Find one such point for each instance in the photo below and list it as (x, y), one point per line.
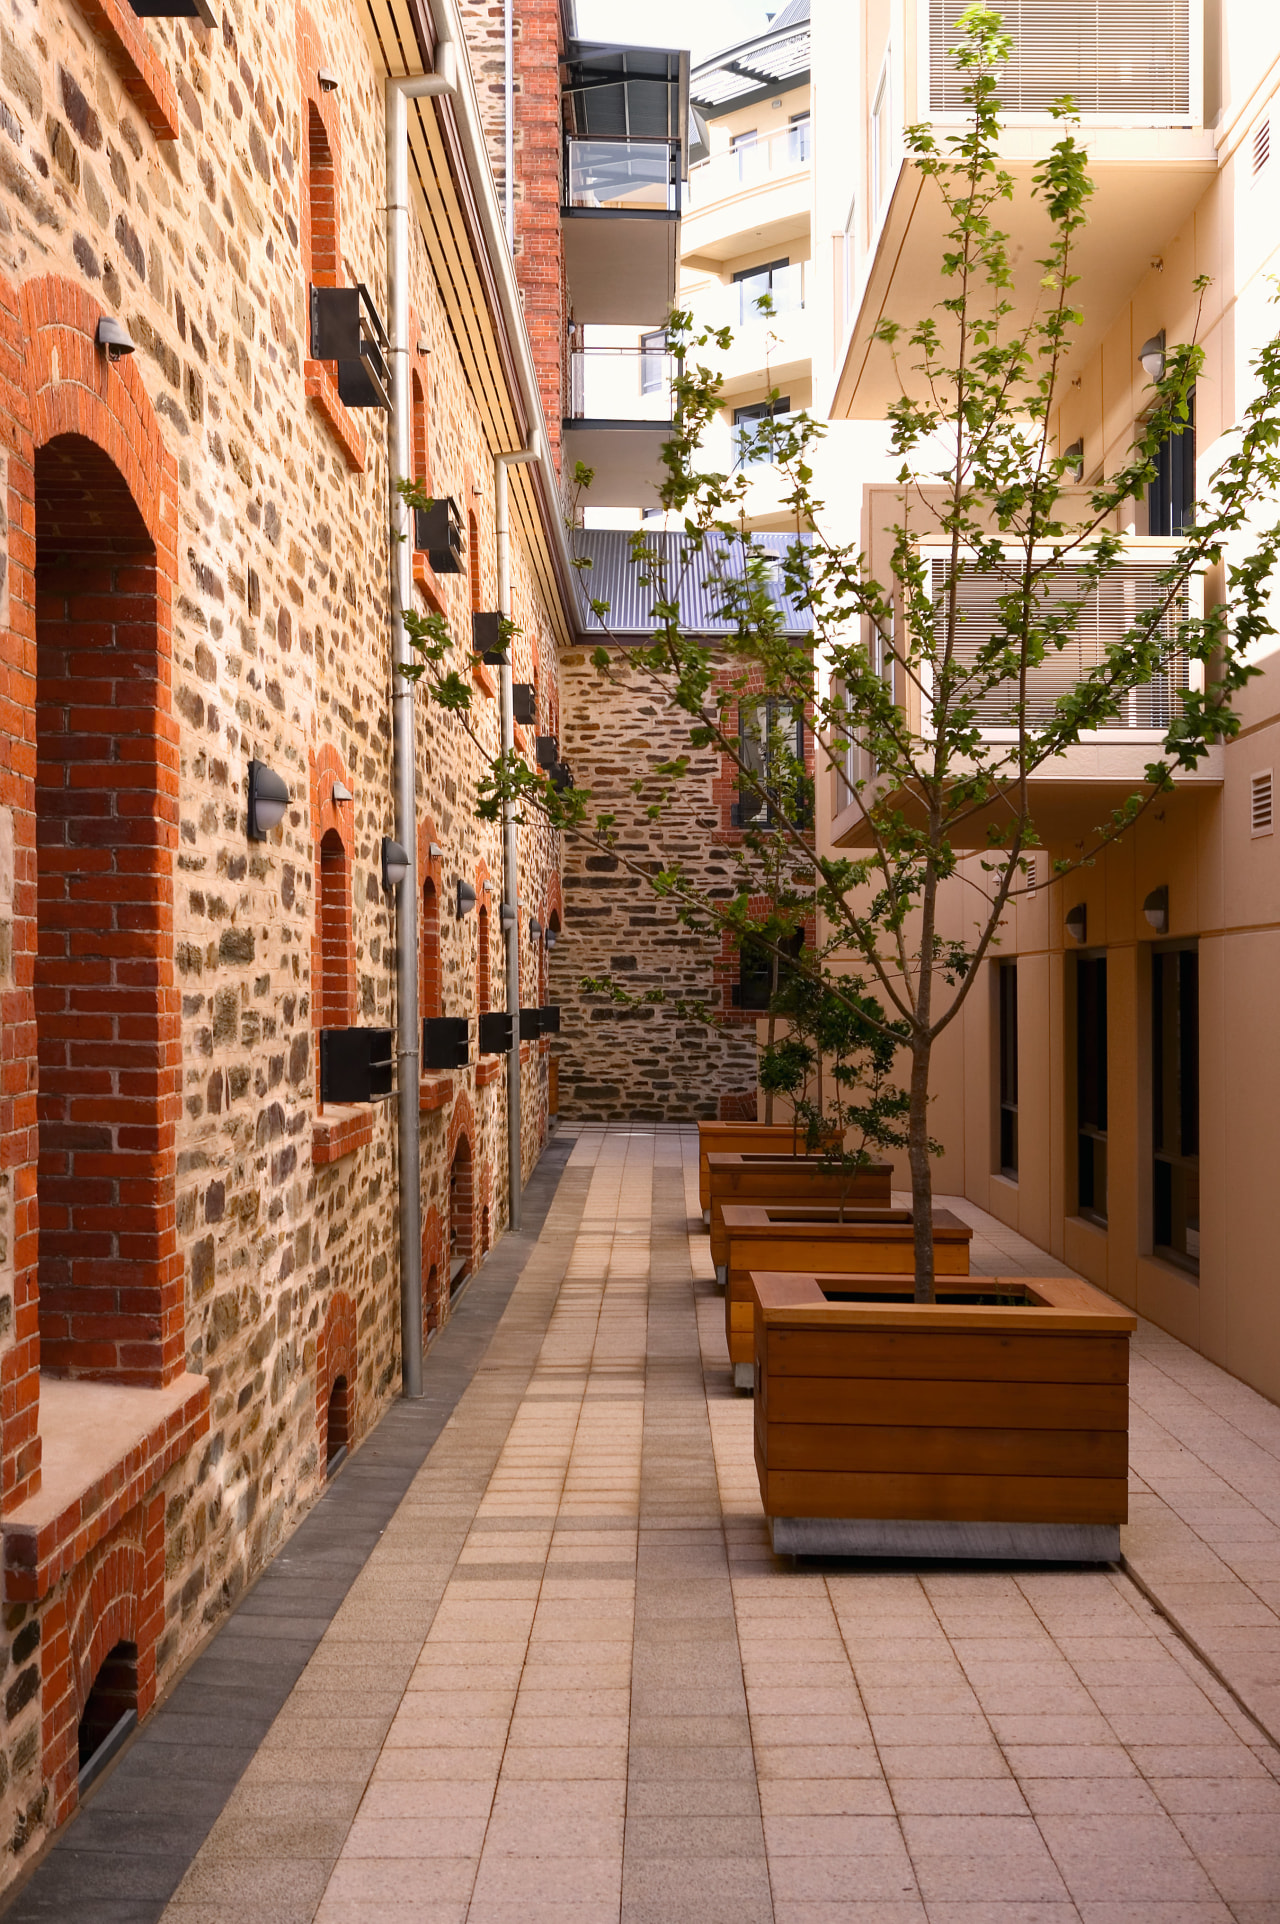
(280, 652)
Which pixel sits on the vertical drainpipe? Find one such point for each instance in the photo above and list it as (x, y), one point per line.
(510, 861)
(398, 94)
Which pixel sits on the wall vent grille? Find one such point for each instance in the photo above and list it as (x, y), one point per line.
(1132, 59)
(1261, 144)
(1261, 820)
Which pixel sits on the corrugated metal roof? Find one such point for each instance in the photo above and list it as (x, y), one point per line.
(614, 577)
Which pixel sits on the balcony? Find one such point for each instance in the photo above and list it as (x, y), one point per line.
(1074, 791)
(761, 185)
(620, 416)
(621, 217)
(779, 340)
(1136, 75)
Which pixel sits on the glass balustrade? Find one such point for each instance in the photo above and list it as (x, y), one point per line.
(622, 176)
(752, 162)
(620, 384)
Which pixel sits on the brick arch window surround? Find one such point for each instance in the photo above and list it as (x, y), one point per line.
(482, 959)
(335, 931)
(462, 1206)
(431, 991)
(105, 1025)
(473, 559)
(336, 1378)
(322, 201)
(418, 428)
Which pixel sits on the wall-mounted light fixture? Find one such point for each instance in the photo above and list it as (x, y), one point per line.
(1151, 355)
(268, 800)
(1156, 909)
(174, 10)
(395, 863)
(509, 916)
(1074, 457)
(327, 82)
(1078, 922)
(434, 852)
(535, 929)
(340, 793)
(466, 898)
(113, 338)
(553, 936)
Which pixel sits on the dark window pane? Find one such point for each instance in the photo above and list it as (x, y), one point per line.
(1091, 1085)
(1175, 1104)
(1007, 1020)
(1171, 496)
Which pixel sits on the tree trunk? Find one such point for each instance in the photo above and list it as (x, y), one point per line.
(768, 1094)
(921, 1168)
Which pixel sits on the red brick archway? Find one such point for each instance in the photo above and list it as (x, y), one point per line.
(336, 1372)
(91, 610)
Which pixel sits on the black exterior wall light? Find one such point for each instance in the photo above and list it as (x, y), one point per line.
(466, 899)
(395, 863)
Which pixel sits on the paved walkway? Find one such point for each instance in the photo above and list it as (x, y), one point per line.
(571, 1682)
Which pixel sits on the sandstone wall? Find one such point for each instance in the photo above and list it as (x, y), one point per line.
(648, 1062)
(279, 1220)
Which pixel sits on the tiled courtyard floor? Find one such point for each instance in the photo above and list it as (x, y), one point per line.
(572, 1684)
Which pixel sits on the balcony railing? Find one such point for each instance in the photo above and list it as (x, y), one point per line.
(750, 163)
(738, 305)
(1107, 612)
(627, 176)
(1137, 62)
(620, 384)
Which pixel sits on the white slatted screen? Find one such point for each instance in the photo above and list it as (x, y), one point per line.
(1111, 56)
(1108, 612)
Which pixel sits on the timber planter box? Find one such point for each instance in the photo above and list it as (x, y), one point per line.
(814, 1242)
(992, 1423)
(758, 1178)
(777, 1138)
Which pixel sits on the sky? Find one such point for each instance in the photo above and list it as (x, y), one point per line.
(703, 26)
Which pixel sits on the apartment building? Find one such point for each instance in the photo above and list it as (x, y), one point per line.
(246, 282)
(1111, 1090)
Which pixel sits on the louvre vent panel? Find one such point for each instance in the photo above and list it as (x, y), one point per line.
(1112, 58)
(1108, 613)
(1261, 145)
(1260, 803)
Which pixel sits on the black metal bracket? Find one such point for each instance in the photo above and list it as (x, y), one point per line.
(347, 328)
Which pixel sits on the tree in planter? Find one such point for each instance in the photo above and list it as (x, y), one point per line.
(949, 684)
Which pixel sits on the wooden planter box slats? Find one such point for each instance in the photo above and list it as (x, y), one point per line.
(802, 1181)
(878, 1250)
(778, 1138)
(944, 1429)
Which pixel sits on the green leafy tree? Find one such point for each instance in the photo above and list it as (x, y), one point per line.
(928, 691)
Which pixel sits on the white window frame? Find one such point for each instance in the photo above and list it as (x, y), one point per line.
(881, 108)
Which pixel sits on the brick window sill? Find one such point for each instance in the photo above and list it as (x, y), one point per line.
(105, 1446)
(428, 582)
(488, 1069)
(322, 393)
(434, 1092)
(342, 1129)
(483, 679)
(145, 80)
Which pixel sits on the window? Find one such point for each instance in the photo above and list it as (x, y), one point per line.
(746, 421)
(772, 746)
(1091, 1086)
(653, 361)
(322, 202)
(482, 959)
(1260, 804)
(418, 413)
(473, 561)
(798, 139)
(429, 944)
(780, 280)
(743, 147)
(335, 936)
(761, 973)
(1007, 1036)
(843, 271)
(1175, 1104)
(881, 139)
(1171, 496)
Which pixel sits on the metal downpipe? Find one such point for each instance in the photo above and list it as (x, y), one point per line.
(400, 463)
(510, 851)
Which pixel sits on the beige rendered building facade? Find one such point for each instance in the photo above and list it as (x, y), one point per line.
(1111, 1091)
